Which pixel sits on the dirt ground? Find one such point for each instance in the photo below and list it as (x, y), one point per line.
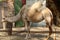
(34, 36)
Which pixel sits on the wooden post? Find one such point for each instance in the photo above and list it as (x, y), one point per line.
(3, 16)
(9, 28)
(13, 24)
(55, 34)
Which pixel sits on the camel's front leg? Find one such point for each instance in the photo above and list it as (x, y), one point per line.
(27, 28)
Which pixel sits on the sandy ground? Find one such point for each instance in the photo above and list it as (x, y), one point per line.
(20, 36)
(34, 36)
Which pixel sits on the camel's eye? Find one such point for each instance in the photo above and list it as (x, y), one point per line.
(41, 4)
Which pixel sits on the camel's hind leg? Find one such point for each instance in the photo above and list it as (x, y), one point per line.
(49, 24)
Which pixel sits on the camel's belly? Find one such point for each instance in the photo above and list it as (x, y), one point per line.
(36, 18)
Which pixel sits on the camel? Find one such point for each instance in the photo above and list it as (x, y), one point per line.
(35, 13)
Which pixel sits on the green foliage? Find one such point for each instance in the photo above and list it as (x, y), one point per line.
(0, 0)
(17, 6)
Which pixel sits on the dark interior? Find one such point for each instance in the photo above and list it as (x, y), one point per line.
(57, 2)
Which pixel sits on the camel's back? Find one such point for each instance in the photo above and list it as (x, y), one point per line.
(32, 9)
(36, 5)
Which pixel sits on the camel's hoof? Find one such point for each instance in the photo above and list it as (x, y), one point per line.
(47, 38)
(28, 37)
